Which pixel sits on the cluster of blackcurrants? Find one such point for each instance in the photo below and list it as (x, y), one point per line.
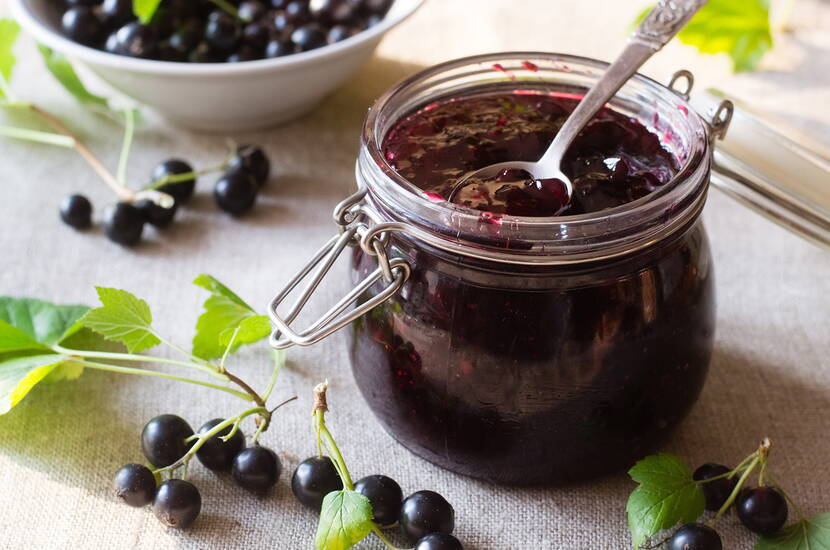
(177, 502)
(762, 510)
(235, 192)
(198, 31)
(425, 517)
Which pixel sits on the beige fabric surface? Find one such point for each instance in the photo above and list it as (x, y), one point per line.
(58, 450)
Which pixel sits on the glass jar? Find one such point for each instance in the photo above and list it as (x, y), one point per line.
(524, 350)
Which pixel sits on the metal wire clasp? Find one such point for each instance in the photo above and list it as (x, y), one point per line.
(354, 231)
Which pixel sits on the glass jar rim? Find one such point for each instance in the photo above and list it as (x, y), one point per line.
(532, 240)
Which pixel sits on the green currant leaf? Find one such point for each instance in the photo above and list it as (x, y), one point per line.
(145, 9)
(345, 520)
(122, 318)
(44, 323)
(19, 374)
(9, 30)
(809, 534)
(740, 28)
(224, 312)
(64, 73)
(667, 495)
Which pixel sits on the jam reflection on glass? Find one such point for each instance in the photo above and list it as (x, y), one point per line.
(614, 160)
(535, 374)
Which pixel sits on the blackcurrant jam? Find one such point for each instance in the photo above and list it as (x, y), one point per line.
(527, 349)
(614, 160)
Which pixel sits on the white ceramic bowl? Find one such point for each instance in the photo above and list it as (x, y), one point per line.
(220, 97)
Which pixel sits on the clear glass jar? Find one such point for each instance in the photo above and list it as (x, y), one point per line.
(529, 350)
(537, 350)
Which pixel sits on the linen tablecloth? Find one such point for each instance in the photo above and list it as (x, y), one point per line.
(59, 448)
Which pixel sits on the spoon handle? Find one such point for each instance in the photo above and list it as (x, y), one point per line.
(658, 27)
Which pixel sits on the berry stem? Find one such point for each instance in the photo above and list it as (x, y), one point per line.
(186, 176)
(138, 358)
(279, 361)
(126, 145)
(145, 372)
(48, 138)
(379, 534)
(207, 435)
(122, 192)
(227, 6)
(736, 490)
(323, 433)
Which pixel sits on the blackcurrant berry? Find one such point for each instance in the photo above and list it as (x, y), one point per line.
(116, 13)
(309, 36)
(278, 48)
(135, 485)
(244, 53)
(251, 159)
(313, 479)
(134, 40)
(256, 469)
(438, 541)
(339, 33)
(385, 495)
(123, 223)
(76, 211)
(695, 536)
(377, 7)
(235, 192)
(256, 35)
(203, 53)
(297, 12)
(177, 503)
(424, 513)
(186, 38)
(222, 32)
(154, 214)
(182, 190)
(215, 453)
(718, 491)
(81, 24)
(762, 510)
(163, 439)
(251, 10)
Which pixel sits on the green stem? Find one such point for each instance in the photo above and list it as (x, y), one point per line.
(279, 361)
(228, 349)
(145, 372)
(207, 435)
(336, 456)
(186, 176)
(138, 358)
(227, 6)
(193, 359)
(37, 137)
(126, 145)
(736, 490)
(7, 91)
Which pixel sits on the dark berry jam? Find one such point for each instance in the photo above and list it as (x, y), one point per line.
(614, 160)
(534, 374)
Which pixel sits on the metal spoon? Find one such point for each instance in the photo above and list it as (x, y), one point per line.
(660, 25)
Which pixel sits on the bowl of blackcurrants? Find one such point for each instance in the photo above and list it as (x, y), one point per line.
(218, 65)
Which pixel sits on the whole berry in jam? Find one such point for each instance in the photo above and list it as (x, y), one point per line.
(123, 223)
(313, 479)
(163, 440)
(215, 453)
(256, 469)
(76, 211)
(718, 491)
(278, 48)
(115, 13)
(177, 503)
(424, 513)
(236, 192)
(438, 541)
(135, 485)
(253, 160)
(762, 510)
(251, 10)
(695, 536)
(385, 495)
(182, 190)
